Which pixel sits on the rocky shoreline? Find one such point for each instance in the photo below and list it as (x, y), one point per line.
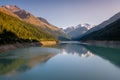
(5, 48)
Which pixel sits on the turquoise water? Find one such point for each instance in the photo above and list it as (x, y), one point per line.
(61, 62)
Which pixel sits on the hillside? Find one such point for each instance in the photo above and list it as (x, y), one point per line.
(40, 23)
(101, 25)
(110, 33)
(14, 30)
(104, 23)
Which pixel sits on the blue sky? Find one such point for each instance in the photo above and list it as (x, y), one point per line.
(65, 13)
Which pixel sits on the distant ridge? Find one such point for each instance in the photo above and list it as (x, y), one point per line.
(76, 31)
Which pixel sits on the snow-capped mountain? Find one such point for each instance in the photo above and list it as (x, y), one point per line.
(88, 26)
(76, 31)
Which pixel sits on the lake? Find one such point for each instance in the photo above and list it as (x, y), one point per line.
(66, 61)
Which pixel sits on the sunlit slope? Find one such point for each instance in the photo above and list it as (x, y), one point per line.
(18, 29)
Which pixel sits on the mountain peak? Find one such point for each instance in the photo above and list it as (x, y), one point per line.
(40, 23)
(18, 11)
(88, 26)
(12, 8)
(76, 31)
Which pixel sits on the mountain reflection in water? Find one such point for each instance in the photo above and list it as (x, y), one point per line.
(14, 62)
(66, 61)
(74, 49)
(110, 54)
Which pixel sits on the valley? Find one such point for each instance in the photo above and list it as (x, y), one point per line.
(60, 40)
(20, 26)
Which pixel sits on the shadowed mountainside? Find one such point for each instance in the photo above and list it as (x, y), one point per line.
(110, 33)
(111, 54)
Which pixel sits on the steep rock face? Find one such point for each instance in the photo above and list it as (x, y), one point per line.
(28, 17)
(43, 20)
(78, 30)
(40, 23)
(4, 10)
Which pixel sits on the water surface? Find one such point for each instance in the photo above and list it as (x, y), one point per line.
(66, 61)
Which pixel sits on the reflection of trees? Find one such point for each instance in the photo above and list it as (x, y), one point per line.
(111, 54)
(40, 59)
(7, 65)
(23, 68)
(22, 65)
(31, 62)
